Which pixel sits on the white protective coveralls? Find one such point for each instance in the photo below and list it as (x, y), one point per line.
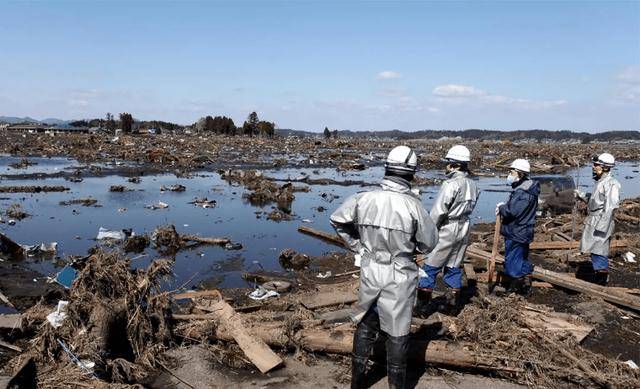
(386, 227)
(455, 202)
(599, 224)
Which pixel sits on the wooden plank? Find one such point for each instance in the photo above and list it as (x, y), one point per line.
(191, 294)
(491, 263)
(574, 244)
(253, 347)
(5, 300)
(327, 299)
(557, 322)
(468, 270)
(11, 320)
(10, 346)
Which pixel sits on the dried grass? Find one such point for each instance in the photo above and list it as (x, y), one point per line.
(495, 328)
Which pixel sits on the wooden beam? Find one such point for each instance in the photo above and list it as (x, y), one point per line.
(10, 346)
(253, 346)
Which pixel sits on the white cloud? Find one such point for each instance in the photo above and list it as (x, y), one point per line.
(630, 75)
(454, 90)
(627, 88)
(466, 94)
(388, 75)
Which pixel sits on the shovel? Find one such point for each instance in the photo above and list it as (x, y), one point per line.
(491, 263)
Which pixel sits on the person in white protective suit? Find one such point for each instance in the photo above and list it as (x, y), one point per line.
(451, 210)
(386, 228)
(599, 224)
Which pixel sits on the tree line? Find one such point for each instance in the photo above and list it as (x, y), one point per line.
(221, 125)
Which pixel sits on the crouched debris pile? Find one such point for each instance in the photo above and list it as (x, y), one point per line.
(114, 319)
(497, 329)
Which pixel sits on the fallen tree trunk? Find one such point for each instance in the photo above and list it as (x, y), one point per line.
(330, 238)
(574, 244)
(327, 299)
(199, 239)
(341, 342)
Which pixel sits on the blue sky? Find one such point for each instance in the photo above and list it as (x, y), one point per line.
(375, 65)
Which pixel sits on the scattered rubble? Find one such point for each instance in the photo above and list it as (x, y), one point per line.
(290, 259)
(32, 189)
(173, 188)
(15, 211)
(84, 202)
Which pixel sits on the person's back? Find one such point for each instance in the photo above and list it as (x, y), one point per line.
(385, 228)
(387, 221)
(519, 215)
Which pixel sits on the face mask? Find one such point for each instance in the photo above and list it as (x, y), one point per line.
(511, 179)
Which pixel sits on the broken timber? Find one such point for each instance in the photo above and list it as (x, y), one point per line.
(570, 282)
(253, 347)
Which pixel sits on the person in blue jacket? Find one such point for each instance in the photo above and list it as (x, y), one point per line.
(518, 223)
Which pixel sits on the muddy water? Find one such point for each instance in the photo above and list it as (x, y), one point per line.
(75, 227)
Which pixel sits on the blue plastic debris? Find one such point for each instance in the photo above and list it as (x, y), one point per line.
(66, 276)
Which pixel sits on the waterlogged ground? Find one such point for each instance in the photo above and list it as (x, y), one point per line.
(75, 227)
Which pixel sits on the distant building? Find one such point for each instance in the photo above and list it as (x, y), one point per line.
(40, 128)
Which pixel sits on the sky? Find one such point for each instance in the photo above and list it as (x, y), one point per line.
(347, 65)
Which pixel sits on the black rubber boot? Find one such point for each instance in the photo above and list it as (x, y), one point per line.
(453, 303)
(363, 342)
(397, 349)
(521, 286)
(422, 306)
(601, 278)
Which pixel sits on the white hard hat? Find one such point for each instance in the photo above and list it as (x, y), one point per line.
(402, 159)
(521, 165)
(458, 153)
(605, 159)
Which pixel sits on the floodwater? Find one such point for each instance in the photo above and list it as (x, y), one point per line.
(75, 227)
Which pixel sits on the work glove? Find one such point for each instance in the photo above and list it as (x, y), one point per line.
(498, 208)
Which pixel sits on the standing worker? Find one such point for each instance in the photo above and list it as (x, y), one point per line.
(386, 227)
(455, 202)
(599, 224)
(518, 224)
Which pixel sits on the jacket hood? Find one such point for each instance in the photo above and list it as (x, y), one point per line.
(528, 185)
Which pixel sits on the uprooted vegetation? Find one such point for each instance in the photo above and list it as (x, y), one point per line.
(115, 318)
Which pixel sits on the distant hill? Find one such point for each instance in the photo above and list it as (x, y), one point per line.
(14, 120)
(476, 134)
(27, 119)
